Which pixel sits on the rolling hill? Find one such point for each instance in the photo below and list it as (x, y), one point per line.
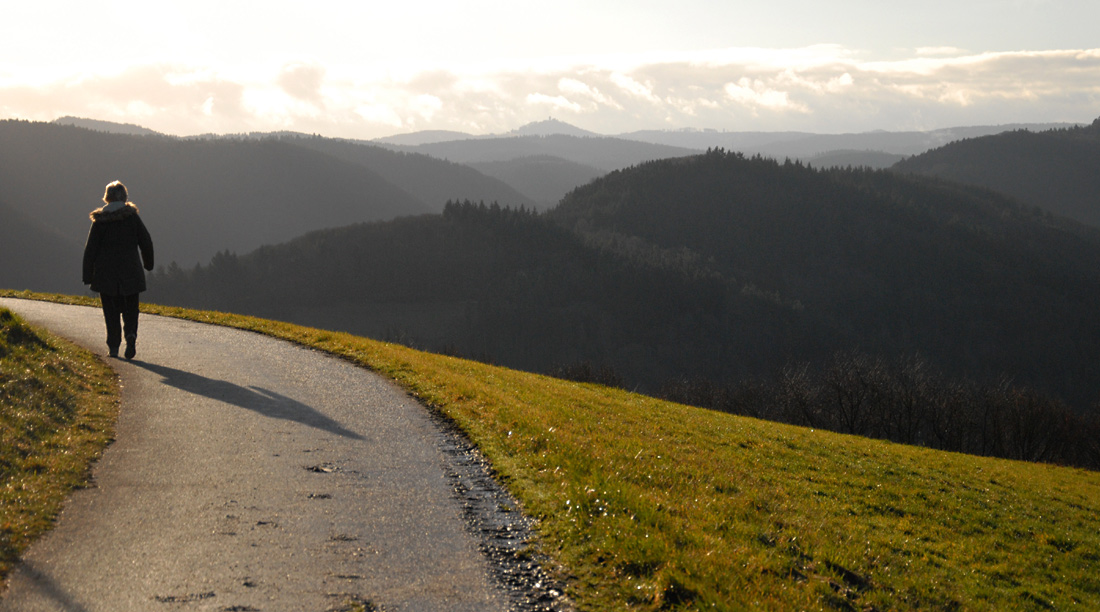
(1054, 170)
(803, 145)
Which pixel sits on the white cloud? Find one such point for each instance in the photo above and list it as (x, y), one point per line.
(757, 94)
(379, 114)
(939, 51)
(572, 86)
(303, 81)
(824, 88)
(426, 106)
(633, 87)
(815, 83)
(555, 102)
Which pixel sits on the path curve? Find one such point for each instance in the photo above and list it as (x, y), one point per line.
(252, 474)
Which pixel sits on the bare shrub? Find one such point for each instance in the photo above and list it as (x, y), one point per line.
(906, 401)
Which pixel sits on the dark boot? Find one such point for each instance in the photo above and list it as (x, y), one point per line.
(131, 346)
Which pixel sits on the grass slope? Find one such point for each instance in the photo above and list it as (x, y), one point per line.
(650, 505)
(58, 406)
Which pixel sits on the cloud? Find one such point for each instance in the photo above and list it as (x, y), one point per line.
(823, 88)
(163, 97)
(939, 51)
(554, 102)
(756, 94)
(580, 89)
(303, 81)
(633, 87)
(379, 114)
(426, 106)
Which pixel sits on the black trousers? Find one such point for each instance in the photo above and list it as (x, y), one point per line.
(115, 306)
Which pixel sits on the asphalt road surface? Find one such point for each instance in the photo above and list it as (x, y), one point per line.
(252, 474)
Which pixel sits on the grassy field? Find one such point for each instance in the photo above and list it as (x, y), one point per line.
(650, 505)
(58, 406)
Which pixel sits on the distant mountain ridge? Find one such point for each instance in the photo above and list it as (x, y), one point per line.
(547, 127)
(802, 145)
(604, 153)
(107, 126)
(413, 139)
(552, 127)
(1056, 170)
(778, 145)
(501, 155)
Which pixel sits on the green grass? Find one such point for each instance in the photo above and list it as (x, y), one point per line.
(58, 406)
(650, 505)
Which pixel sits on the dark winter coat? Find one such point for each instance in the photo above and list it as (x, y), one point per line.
(111, 256)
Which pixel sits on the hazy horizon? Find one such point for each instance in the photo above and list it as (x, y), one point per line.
(488, 67)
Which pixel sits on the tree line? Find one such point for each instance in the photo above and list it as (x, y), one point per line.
(903, 400)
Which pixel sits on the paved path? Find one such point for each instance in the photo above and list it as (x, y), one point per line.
(252, 474)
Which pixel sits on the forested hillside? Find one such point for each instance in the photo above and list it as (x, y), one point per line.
(882, 263)
(33, 256)
(714, 266)
(1056, 170)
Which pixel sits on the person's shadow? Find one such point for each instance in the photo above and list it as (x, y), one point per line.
(39, 581)
(258, 399)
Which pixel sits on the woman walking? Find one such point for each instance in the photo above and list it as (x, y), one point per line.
(112, 265)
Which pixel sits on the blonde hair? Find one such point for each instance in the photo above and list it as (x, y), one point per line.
(115, 192)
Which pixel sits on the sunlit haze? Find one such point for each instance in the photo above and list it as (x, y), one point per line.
(368, 69)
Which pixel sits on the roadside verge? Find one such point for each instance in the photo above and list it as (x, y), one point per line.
(58, 405)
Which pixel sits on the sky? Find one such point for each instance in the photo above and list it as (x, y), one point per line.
(365, 69)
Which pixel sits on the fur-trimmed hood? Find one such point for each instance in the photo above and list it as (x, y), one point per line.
(108, 213)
